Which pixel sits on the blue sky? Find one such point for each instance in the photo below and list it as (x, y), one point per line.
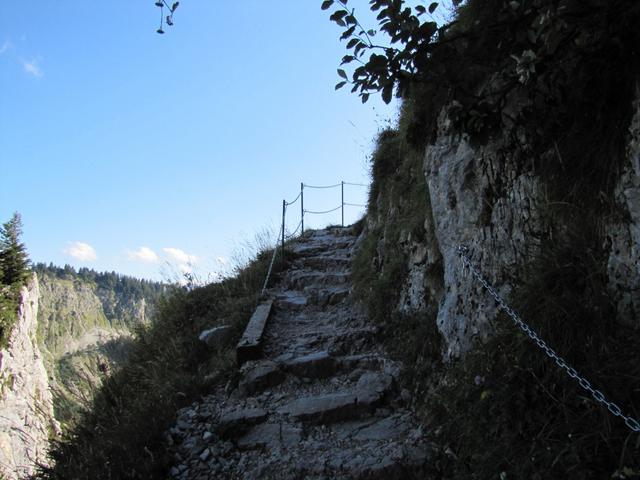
(114, 138)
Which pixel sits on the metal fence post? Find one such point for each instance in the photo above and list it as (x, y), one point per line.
(284, 209)
(342, 199)
(302, 208)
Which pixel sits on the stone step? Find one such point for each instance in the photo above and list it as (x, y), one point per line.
(324, 263)
(314, 365)
(249, 347)
(299, 279)
(235, 422)
(364, 362)
(370, 391)
(323, 297)
(259, 375)
(316, 248)
(291, 300)
(323, 409)
(271, 436)
(352, 341)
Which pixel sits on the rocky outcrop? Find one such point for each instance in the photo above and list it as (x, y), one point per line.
(480, 196)
(85, 330)
(624, 236)
(26, 410)
(75, 315)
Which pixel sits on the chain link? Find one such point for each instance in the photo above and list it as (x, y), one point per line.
(597, 395)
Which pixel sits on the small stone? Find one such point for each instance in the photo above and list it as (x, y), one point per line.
(405, 395)
(205, 454)
(207, 435)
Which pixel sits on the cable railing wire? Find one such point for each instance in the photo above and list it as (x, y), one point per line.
(322, 186)
(283, 236)
(273, 258)
(356, 184)
(293, 234)
(323, 212)
(294, 200)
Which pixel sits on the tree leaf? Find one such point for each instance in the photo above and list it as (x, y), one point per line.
(342, 73)
(326, 4)
(387, 92)
(433, 7)
(347, 33)
(340, 85)
(365, 97)
(352, 43)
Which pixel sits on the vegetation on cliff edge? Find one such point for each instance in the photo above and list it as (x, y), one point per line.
(555, 81)
(122, 436)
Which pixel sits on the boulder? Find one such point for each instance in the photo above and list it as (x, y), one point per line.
(216, 336)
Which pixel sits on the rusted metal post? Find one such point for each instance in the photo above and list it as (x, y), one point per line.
(302, 207)
(342, 200)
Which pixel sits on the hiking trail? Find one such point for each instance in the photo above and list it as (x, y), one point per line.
(321, 402)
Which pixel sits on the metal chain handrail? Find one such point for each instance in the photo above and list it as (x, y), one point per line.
(273, 258)
(597, 395)
(354, 204)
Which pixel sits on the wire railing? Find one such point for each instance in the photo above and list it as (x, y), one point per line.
(283, 236)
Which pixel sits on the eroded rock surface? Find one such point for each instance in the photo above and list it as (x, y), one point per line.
(323, 403)
(26, 406)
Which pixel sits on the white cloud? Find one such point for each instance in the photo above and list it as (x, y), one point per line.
(6, 45)
(32, 67)
(180, 256)
(81, 251)
(143, 254)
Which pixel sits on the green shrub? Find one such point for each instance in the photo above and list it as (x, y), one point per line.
(9, 300)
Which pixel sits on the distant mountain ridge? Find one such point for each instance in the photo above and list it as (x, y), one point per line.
(86, 321)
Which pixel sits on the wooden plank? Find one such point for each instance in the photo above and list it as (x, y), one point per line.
(250, 345)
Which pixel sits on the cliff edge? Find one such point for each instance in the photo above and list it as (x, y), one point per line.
(26, 421)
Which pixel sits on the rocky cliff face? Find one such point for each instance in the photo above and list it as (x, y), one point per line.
(479, 195)
(85, 331)
(27, 421)
(75, 314)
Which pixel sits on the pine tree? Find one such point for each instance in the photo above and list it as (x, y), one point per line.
(14, 262)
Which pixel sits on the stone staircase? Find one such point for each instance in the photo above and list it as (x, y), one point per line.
(322, 400)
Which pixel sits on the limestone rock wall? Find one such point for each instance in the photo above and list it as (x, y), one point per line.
(26, 410)
(624, 236)
(481, 197)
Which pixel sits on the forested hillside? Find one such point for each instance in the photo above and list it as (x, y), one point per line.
(86, 322)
